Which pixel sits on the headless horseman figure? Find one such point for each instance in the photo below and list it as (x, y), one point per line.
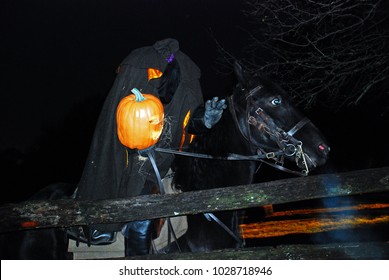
(114, 171)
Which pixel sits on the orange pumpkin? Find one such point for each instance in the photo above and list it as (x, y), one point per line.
(139, 120)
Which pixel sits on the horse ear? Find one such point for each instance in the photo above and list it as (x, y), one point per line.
(240, 73)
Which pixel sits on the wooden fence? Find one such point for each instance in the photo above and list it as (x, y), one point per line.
(66, 213)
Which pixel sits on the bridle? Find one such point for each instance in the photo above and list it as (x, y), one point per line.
(288, 145)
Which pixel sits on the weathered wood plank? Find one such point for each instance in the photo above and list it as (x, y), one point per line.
(65, 213)
(337, 251)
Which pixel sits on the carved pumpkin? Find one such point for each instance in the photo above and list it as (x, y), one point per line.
(139, 120)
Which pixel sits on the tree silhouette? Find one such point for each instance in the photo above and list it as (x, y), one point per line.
(333, 52)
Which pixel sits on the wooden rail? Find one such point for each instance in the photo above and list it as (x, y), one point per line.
(66, 213)
(334, 251)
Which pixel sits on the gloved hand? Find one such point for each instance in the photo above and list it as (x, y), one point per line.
(213, 111)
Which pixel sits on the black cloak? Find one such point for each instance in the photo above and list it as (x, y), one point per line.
(111, 169)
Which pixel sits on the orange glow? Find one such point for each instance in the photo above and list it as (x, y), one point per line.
(29, 224)
(326, 210)
(320, 223)
(184, 124)
(153, 73)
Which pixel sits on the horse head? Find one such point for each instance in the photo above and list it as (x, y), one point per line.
(268, 119)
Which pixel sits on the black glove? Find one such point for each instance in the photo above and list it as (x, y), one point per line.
(213, 111)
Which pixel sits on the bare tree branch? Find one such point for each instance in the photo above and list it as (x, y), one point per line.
(335, 52)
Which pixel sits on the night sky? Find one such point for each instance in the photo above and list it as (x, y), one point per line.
(58, 61)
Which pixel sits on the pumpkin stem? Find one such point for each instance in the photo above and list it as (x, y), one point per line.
(138, 95)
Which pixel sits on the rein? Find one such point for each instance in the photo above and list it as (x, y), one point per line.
(230, 156)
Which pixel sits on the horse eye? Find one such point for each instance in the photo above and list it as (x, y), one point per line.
(276, 101)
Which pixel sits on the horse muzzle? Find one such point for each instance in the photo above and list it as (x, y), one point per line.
(311, 161)
(323, 150)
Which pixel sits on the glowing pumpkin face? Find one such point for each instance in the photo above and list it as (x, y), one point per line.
(139, 120)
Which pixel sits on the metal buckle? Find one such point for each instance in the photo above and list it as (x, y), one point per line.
(290, 150)
(259, 111)
(252, 120)
(270, 155)
(300, 153)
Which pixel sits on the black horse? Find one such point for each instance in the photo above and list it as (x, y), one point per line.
(261, 122)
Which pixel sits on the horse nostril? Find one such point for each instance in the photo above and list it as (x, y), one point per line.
(324, 149)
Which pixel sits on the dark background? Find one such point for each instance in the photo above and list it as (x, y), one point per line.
(58, 61)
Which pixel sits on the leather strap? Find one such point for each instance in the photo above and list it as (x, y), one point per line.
(150, 152)
(298, 126)
(230, 156)
(210, 216)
